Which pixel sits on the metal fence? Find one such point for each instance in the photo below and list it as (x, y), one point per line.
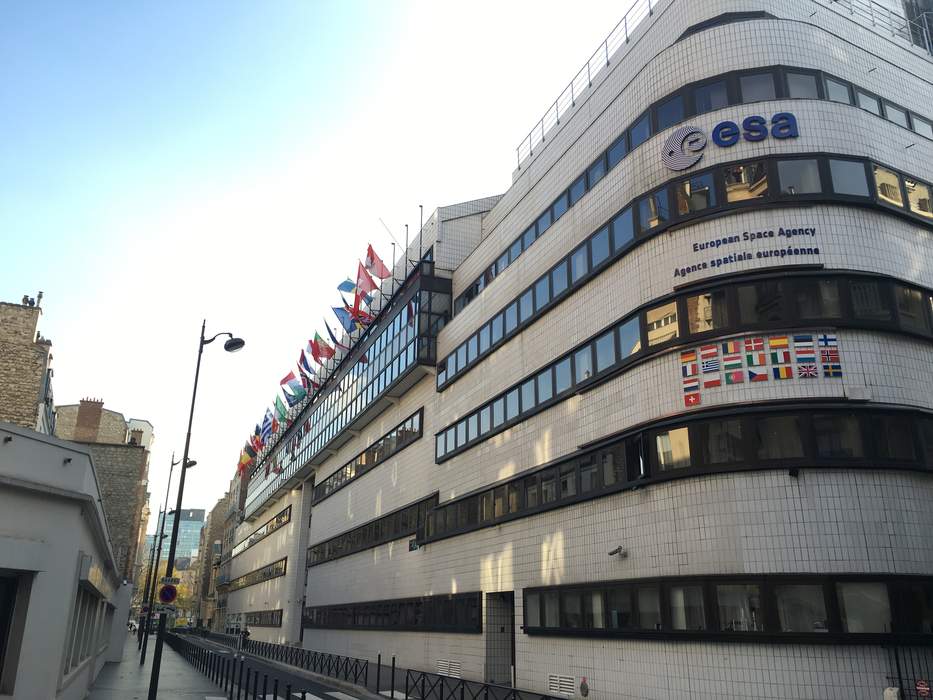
(348, 668)
(431, 686)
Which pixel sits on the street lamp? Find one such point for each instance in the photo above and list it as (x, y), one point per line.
(150, 592)
(231, 345)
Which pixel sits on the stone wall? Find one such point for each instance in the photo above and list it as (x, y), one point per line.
(89, 421)
(23, 363)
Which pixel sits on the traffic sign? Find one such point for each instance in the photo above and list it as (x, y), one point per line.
(170, 579)
(167, 594)
(167, 609)
(923, 688)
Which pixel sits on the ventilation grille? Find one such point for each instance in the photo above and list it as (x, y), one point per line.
(449, 667)
(560, 685)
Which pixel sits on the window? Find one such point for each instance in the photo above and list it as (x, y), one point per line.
(849, 177)
(799, 176)
(472, 427)
(686, 603)
(589, 476)
(577, 189)
(531, 492)
(895, 438)
(502, 263)
(817, 298)
(711, 97)
(544, 222)
(612, 461)
(514, 497)
(562, 381)
(653, 210)
(629, 338)
(623, 230)
(802, 86)
(596, 172)
(670, 112)
(695, 194)
(761, 302)
(542, 293)
(496, 326)
(837, 436)
(511, 405)
(640, 131)
(757, 87)
(912, 309)
(484, 339)
(922, 126)
(560, 206)
(619, 608)
(838, 91)
(662, 323)
(572, 604)
(551, 607)
(559, 279)
(708, 311)
(499, 502)
(745, 182)
(801, 608)
(10, 635)
(599, 244)
(549, 486)
(515, 250)
(583, 364)
(511, 318)
(649, 608)
(926, 441)
(579, 263)
(896, 115)
(739, 608)
(888, 186)
(485, 507)
(605, 352)
(869, 301)
(568, 480)
(864, 607)
(485, 415)
(721, 441)
(526, 306)
(918, 198)
(916, 600)
(543, 381)
(528, 395)
(617, 151)
(868, 102)
(498, 412)
(673, 449)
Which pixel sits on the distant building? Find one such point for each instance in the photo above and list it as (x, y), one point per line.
(209, 561)
(25, 368)
(189, 534)
(121, 455)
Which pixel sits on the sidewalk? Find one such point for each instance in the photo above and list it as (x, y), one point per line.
(128, 680)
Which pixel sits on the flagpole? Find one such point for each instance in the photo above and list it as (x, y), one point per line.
(405, 271)
(392, 287)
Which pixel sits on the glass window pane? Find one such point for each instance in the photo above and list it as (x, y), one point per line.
(917, 602)
(528, 395)
(472, 344)
(472, 427)
(922, 126)
(739, 608)
(498, 412)
(559, 279)
(778, 437)
(551, 608)
(542, 292)
(801, 608)
(918, 198)
(544, 386)
(640, 132)
(838, 91)
(484, 338)
(623, 230)
(864, 607)
(583, 364)
(461, 433)
(670, 112)
(617, 151)
(511, 318)
(695, 194)
(605, 352)
(532, 610)
(757, 87)
(572, 604)
(440, 445)
(799, 176)
(687, 611)
(562, 381)
(895, 437)
(762, 302)
(511, 405)
(595, 616)
(802, 86)
(599, 245)
(568, 480)
(653, 210)
(577, 189)
(629, 338)
(526, 305)
(560, 206)
(662, 323)
(649, 608)
(485, 416)
(619, 608)
(612, 462)
(869, 301)
(747, 181)
(896, 115)
(549, 486)
(849, 177)
(912, 309)
(502, 263)
(596, 172)
(673, 449)
(817, 299)
(721, 441)
(579, 263)
(589, 476)
(528, 237)
(925, 425)
(888, 186)
(708, 311)
(498, 502)
(515, 250)
(868, 102)
(514, 496)
(837, 436)
(544, 222)
(531, 492)
(711, 96)
(497, 323)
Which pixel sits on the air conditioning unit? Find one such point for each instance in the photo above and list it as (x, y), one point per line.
(561, 685)
(449, 667)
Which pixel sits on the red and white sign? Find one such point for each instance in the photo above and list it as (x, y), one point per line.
(923, 689)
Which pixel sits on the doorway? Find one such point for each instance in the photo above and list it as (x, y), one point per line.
(500, 638)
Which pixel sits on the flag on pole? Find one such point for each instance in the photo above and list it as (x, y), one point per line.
(320, 350)
(375, 266)
(280, 410)
(307, 373)
(345, 316)
(333, 338)
(364, 282)
(266, 427)
(257, 438)
(348, 286)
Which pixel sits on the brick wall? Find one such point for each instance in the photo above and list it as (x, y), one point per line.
(23, 363)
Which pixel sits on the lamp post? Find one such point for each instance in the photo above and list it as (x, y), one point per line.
(231, 345)
(145, 598)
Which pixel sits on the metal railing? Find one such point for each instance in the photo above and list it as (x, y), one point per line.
(583, 80)
(431, 686)
(347, 668)
(874, 14)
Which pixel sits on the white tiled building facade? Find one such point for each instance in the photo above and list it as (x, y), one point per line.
(729, 494)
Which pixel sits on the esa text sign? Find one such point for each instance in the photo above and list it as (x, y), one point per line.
(684, 147)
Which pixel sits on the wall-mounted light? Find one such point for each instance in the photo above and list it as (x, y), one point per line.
(620, 551)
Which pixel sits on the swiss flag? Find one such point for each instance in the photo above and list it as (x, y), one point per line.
(691, 400)
(375, 265)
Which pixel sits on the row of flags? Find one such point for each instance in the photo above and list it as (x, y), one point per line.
(297, 389)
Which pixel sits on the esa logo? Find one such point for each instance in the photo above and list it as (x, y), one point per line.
(684, 148)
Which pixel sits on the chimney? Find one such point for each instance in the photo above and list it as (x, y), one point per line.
(136, 436)
(87, 425)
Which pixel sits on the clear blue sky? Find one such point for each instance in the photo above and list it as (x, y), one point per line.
(169, 161)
